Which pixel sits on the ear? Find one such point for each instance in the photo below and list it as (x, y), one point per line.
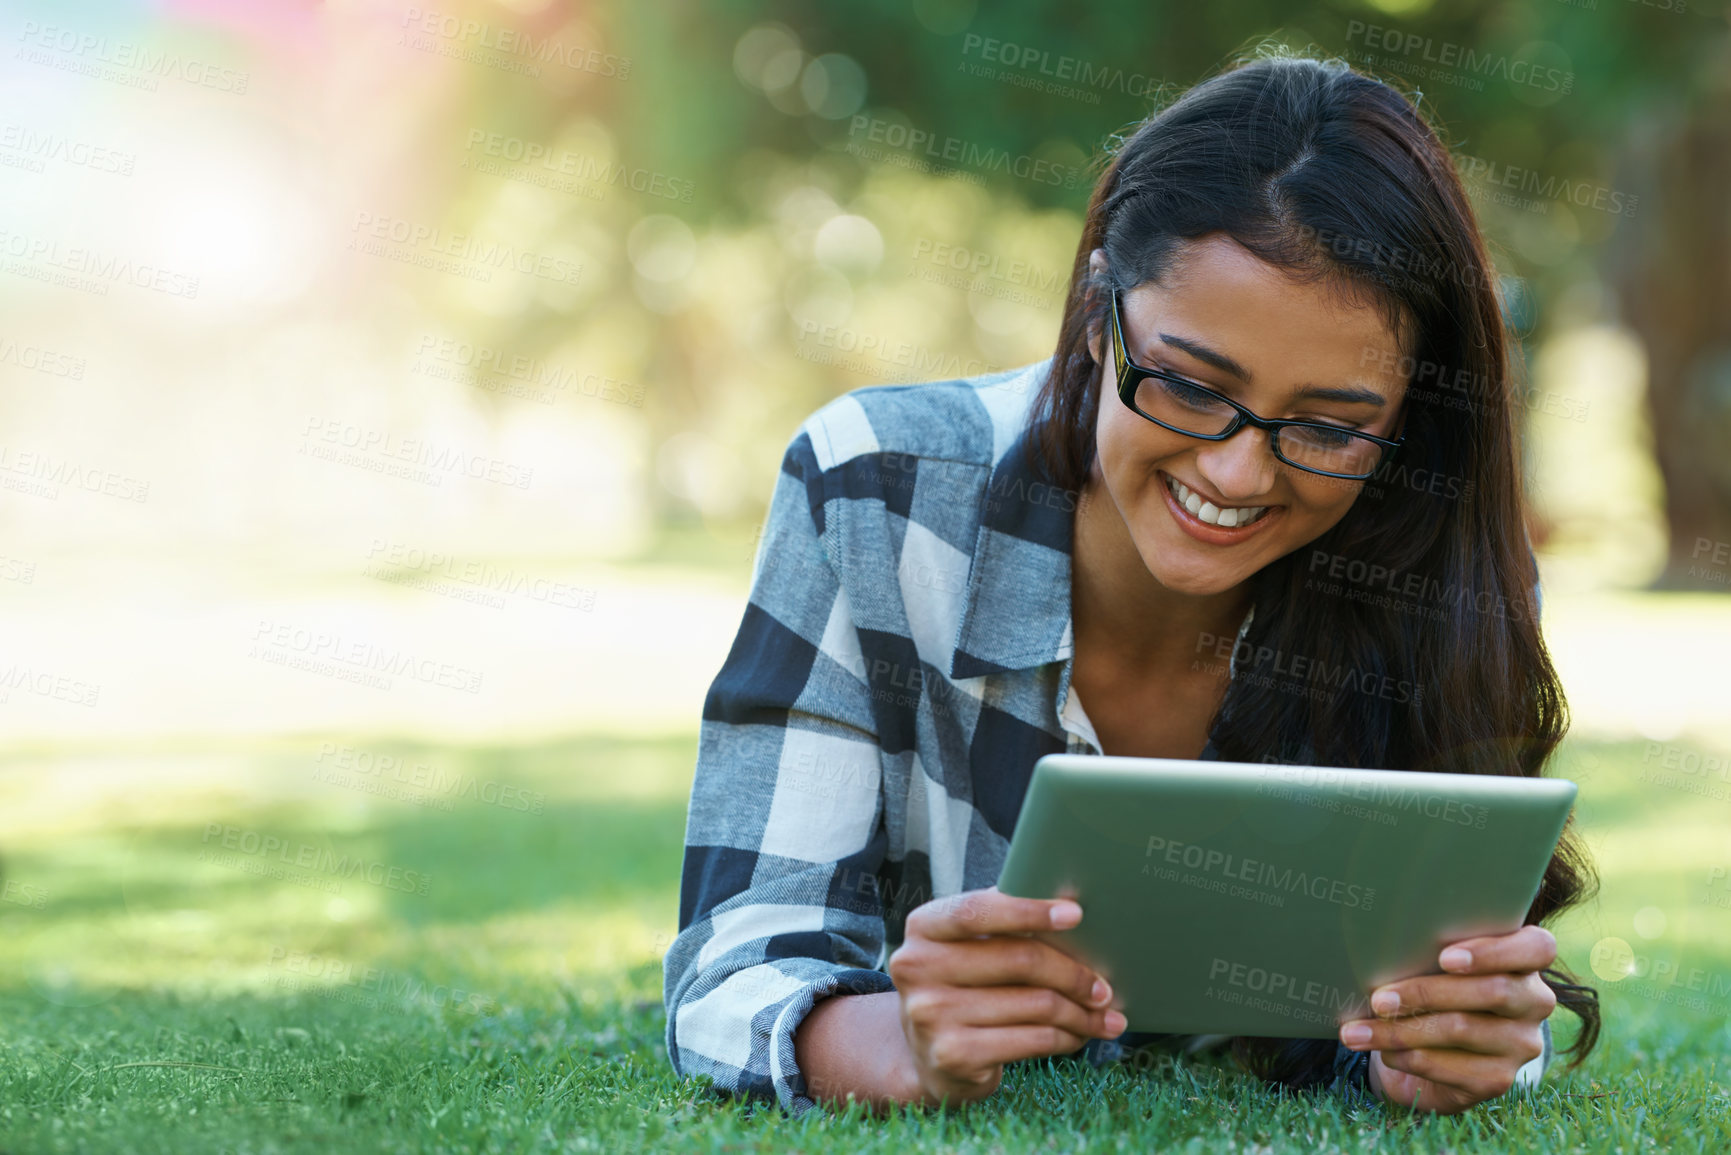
(1096, 265)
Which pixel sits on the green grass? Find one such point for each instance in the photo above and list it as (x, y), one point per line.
(154, 999)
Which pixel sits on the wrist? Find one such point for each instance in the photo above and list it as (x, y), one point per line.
(904, 1083)
(852, 1047)
(902, 1076)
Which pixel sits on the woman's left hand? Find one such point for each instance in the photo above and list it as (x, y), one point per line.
(1445, 1042)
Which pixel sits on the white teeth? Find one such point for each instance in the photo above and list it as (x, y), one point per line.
(1209, 513)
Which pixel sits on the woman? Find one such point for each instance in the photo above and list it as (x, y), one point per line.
(948, 570)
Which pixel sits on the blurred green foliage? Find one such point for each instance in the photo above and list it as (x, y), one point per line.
(783, 243)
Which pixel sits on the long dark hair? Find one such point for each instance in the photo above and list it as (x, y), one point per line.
(1335, 177)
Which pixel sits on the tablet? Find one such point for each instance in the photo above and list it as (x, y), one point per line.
(1269, 899)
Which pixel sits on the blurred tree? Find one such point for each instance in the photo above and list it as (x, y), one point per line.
(697, 105)
(1674, 276)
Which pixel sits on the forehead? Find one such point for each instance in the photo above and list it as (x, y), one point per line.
(1283, 330)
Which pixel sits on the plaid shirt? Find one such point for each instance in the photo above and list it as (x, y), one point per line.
(903, 661)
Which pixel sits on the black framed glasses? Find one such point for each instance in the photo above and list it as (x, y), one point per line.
(1183, 406)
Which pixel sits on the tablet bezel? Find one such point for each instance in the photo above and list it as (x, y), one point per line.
(1494, 881)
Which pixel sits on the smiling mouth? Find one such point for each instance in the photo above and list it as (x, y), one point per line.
(1232, 517)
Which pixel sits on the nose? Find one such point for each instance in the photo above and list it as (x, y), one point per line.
(1241, 468)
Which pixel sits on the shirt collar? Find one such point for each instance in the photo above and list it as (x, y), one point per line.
(1016, 611)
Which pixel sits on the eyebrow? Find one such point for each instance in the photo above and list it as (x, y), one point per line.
(1348, 394)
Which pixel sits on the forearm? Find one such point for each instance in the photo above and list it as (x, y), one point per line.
(852, 1045)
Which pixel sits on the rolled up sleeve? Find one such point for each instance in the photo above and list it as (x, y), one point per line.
(778, 903)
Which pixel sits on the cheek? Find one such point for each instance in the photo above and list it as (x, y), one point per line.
(1113, 434)
(1318, 501)
(1129, 440)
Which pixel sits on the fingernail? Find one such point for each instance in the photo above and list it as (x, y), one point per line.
(1116, 1022)
(1385, 1002)
(1101, 993)
(1066, 914)
(1456, 959)
(1355, 1034)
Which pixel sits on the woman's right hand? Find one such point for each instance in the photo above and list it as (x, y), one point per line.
(977, 991)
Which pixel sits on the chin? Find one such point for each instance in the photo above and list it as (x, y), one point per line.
(1198, 580)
